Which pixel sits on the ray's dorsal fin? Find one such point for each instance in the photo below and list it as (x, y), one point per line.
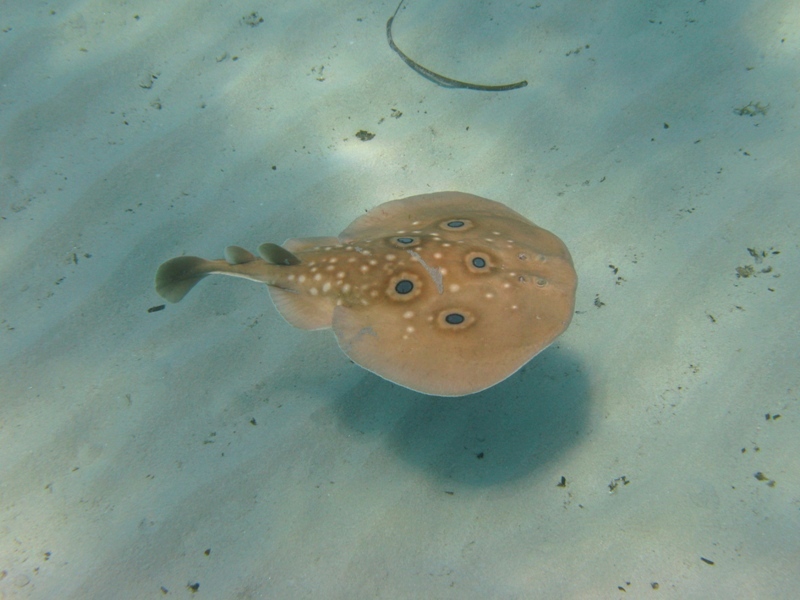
(276, 255)
(236, 255)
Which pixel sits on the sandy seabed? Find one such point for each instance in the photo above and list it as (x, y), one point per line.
(210, 450)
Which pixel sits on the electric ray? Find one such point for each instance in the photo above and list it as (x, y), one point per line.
(445, 293)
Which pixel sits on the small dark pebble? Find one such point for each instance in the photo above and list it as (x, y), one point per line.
(364, 136)
(706, 560)
(156, 308)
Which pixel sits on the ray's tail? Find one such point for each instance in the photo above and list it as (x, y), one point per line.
(178, 275)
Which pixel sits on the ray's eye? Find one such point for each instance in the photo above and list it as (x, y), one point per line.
(454, 319)
(455, 224)
(478, 262)
(404, 286)
(405, 240)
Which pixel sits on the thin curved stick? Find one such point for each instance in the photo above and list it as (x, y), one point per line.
(441, 79)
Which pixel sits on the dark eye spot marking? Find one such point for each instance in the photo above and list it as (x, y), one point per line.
(479, 262)
(404, 241)
(459, 225)
(454, 319)
(404, 286)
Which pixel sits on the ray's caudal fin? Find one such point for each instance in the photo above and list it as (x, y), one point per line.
(441, 79)
(176, 277)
